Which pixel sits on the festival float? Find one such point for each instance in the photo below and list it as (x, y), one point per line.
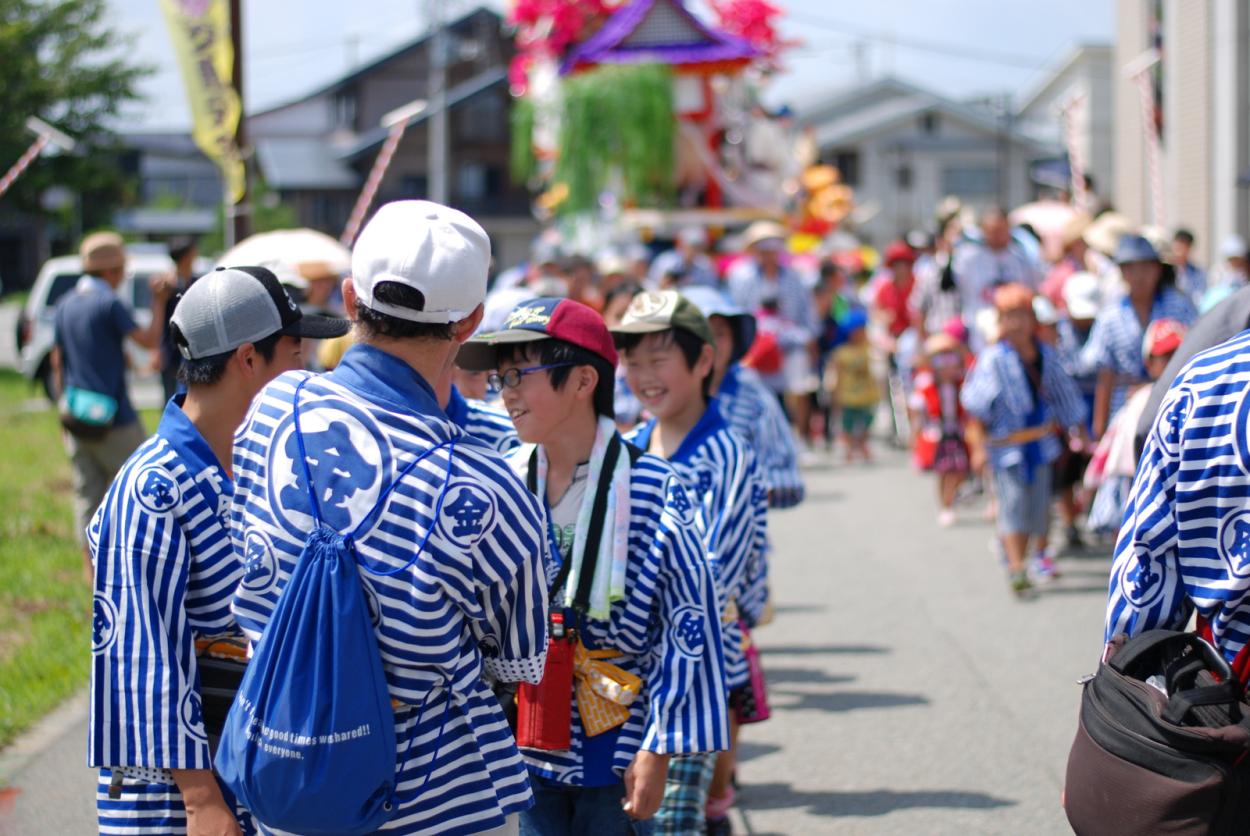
(637, 118)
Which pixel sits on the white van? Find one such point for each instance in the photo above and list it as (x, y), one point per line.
(36, 330)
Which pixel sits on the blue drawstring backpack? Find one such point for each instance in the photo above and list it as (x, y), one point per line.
(309, 743)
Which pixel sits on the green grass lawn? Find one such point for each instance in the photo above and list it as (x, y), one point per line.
(45, 602)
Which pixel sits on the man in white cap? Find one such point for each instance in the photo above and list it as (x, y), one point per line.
(165, 566)
(765, 282)
(456, 555)
(102, 428)
(1232, 271)
(983, 266)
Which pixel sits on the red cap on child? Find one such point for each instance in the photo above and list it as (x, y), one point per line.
(1163, 336)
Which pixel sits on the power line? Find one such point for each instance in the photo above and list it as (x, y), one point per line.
(968, 53)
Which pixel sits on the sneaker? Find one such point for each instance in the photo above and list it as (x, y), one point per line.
(1072, 541)
(1044, 567)
(946, 517)
(1020, 583)
(718, 827)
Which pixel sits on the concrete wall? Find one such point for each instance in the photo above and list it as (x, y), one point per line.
(1230, 121)
(1206, 132)
(929, 159)
(1187, 120)
(1132, 189)
(1090, 74)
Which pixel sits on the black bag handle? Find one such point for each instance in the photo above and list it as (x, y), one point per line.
(1135, 648)
(1226, 693)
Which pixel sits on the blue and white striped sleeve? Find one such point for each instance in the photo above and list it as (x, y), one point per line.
(981, 388)
(753, 599)
(492, 426)
(1064, 395)
(512, 587)
(1146, 591)
(145, 707)
(732, 534)
(1097, 355)
(779, 457)
(686, 678)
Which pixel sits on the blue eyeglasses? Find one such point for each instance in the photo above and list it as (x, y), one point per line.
(511, 379)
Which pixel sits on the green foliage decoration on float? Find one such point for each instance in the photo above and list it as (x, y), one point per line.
(616, 119)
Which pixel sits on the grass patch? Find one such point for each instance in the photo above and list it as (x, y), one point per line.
(45, 603)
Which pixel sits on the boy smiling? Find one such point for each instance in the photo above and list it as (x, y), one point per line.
(631, 589)
(668, 349)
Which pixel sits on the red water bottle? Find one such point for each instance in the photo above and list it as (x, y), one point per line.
(545, 710)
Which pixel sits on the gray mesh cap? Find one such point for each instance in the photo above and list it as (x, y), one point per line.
(235, 305)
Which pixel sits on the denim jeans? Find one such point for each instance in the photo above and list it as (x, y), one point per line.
(566, 810)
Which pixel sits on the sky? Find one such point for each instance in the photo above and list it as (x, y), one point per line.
(958, 48)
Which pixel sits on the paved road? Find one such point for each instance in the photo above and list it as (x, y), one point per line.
(912, 693)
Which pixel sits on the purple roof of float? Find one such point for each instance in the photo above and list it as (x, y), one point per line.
(657, 31)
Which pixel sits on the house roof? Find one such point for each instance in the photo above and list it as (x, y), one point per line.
(372, 66)
(150, 221)
(1059, 71)
(162, 142)
(302, 163)
(463, 91)
(852, 114)
(658, 31)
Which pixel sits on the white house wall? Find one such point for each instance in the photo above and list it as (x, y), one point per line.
(311, 117)
(902, 210)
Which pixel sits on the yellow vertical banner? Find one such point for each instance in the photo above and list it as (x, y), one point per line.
(201, 34)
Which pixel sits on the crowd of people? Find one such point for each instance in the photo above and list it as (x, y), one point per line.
(556, 487)
(562, 596)
(1013, 365)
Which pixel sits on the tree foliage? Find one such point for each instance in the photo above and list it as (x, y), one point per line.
(62, 63)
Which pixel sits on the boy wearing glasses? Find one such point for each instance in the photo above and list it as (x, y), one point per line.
(668, 350)
(634, 607)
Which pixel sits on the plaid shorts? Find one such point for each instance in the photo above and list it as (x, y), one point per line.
(685, 795)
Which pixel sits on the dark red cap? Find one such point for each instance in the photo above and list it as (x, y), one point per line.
(899, 251)
(541, 319)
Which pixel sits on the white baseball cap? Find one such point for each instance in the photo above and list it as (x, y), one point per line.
(1082, 295)
(437, 251)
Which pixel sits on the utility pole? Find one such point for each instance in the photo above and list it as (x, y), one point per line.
(436, 125)
(1004, 150)
(860, 50)
(238, 215)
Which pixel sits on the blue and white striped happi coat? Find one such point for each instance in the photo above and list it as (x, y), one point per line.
(752, 411)
(165, 572)
(720, 474)
(1185, 540)
(473, 602)
(483, 421)
(666, 628)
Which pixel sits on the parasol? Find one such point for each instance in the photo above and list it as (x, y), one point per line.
(306, 253)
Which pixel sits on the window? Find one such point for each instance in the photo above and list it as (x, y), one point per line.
(929, 123)
(846, 162)
(414, 186)
(970, 180)
(903, 177)
(345, 110)
(483, 118)
(478, 182)
(471, 182)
